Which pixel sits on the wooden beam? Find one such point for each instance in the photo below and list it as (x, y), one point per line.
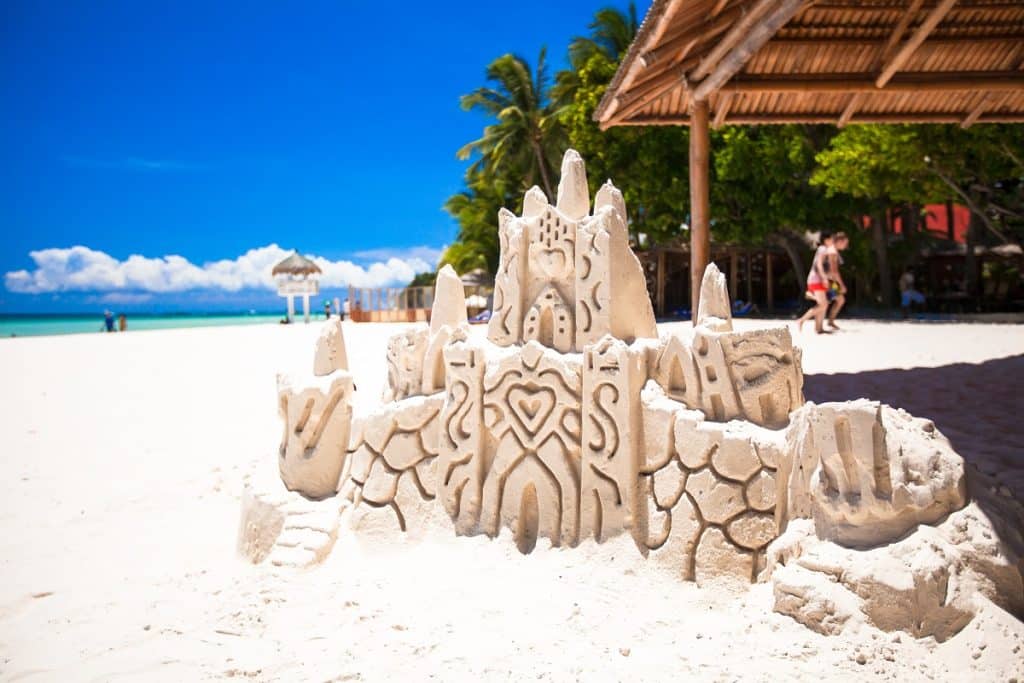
(857, 99)
(908, 117)
(644, 87)
(861, 6)
(852, 105)
(901, 28)
(635, 66)
(989, 101)
(700, 205)
(882, 32)
(706, 32)
(856, 83)
(894, 63)
(719, 6)
(976, 113)
(668, 80)
(724, 102)
(752, 41)
(829, 117)
(738, 32)
(869, 41)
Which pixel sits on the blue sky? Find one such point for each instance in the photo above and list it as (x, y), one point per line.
(213, 131)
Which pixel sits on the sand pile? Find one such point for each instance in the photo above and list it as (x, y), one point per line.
(572, 426)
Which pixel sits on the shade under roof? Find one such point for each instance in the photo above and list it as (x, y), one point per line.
(833, 61)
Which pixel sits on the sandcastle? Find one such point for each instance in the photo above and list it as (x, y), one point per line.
(573, 422)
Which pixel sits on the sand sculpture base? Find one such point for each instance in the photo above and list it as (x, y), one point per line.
(572, 422)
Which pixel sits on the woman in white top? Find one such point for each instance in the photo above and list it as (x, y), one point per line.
(818, 285)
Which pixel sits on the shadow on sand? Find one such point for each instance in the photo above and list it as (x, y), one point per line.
(979, 407)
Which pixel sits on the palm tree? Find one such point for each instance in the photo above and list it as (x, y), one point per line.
(611, 33)
(527, 136)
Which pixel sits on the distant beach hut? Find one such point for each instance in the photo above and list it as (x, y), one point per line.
(478, 277)
(297, 276)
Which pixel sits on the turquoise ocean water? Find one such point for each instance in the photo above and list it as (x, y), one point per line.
(36, 325)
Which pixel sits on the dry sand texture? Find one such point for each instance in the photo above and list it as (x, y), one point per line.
(124, 459)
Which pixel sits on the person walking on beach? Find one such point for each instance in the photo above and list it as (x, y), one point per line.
(327, 310)
(108, 320)
(818, 285)
(840, 241)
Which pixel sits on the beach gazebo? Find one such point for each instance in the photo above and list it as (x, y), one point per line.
(297, 276)
(704, 63)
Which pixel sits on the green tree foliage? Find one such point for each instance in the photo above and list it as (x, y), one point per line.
(885, 166)
(476, 210)
(518, 150)
(424, 280)
(526, 140)
(769, 183)
(648, 164)
(611, 33)
(760, 190)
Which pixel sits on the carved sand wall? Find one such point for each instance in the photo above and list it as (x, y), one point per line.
(571, 422)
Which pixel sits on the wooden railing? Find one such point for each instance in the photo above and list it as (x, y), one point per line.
(398, 304)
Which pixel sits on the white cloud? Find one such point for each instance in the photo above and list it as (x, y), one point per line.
(83, 269)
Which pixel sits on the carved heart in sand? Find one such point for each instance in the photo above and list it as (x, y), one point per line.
(551, 262)
(531, 408)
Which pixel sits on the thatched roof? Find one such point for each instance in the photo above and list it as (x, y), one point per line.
(296, 264)
(831, 61)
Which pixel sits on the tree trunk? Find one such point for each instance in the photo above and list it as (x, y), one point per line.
(880, 242)
(974, 228)
(792, 246)
(543, 166)
(911, 218)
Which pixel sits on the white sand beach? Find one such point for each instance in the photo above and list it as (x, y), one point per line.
(124, 459)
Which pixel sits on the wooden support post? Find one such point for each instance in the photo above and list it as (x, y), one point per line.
(747, 256)
(769, 280)
(700, 203)
(659, 286)
(734, 274)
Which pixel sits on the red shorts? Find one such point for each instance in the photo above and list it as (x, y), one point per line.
(817, 287)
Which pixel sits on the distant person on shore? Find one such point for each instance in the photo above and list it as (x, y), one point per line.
(344, 310)
(122, 323)
(837, 288)
(108, 320)
(327, 310)
(908, 295)
(818, 285)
